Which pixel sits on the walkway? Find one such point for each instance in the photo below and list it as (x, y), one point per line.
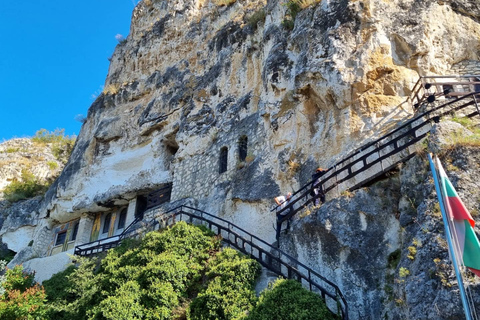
(433, 97)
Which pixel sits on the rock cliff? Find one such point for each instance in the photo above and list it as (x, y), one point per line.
(233, 108)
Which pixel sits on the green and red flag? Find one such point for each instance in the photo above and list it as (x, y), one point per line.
(465, 239)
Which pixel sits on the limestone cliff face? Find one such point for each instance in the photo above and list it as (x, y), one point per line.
(385, 244)
(193, 76)
(23, 154)
(194, 80)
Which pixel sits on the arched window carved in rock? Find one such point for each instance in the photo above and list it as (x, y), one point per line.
(122, 219)
(106, 224)
(242, 148)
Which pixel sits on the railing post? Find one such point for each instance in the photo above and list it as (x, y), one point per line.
(309, 280)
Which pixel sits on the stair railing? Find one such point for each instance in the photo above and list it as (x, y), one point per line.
(267, 255)
(371, 154)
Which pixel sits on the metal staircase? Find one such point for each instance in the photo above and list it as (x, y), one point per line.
(434, 98)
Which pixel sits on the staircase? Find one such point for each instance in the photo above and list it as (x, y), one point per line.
(433, 98)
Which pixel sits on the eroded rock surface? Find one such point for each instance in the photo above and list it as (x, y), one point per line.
(194, 79)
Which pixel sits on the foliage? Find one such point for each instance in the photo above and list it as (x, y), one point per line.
(28, 187)
(394, 259)
(293, 8)
(12, 150)
(230, 291)
(58, 286)
(61, 144)
(7, 256)
(288, 300)
(21, 298)
(178, 273)
(256, 17)
(459, 139)
(146, 280)
(52, 165)
(403, 272)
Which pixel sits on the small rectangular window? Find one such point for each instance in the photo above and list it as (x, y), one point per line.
(242, 148)
(74, 232)
(61, 236)
(223, 160)
(106, 224)
(122, 219)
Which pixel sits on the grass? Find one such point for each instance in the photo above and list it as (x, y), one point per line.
(12, 150)
(52, 165)
(224, 3)
(111, 89)
(249, 158)
(27, 187)
(293, 8)
(460, 139)
(61, 144)
(258, 16)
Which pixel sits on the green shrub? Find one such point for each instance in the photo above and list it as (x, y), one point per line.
(7, 255)
(258, 16)
(22, 298)
(288, 300)
(61, 144)
(178, 273)
(12, 150)
(293, 8)
(230, 293)
(52, 165)
(28, 187)
(124, 304)
(58, 286)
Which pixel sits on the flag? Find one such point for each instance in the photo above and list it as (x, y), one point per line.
(462, 222)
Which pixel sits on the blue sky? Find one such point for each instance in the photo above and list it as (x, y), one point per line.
(54, 60)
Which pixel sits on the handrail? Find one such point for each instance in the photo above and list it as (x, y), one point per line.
(105, 243)
(416, 98)
(410, 129)
(269, 256)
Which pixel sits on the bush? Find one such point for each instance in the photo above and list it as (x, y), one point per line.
(28, 187)
(52, 165)
(230, 293)
(61, 144)
(175, 274)
(288, 300)
(22, 298)
(58, 286)
(258, 16)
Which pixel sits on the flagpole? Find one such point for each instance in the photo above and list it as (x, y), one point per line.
(463, 295)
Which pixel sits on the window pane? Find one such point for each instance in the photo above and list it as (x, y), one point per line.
(106, 225)
(75, 231)
(122, 219)
(60, 238)
(223, 160)
(242, 148)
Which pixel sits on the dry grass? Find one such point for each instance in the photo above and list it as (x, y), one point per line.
(249, 158)
(111, 88)
(226, 3)
(293, 166)
(307, 3)
(460, 139)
